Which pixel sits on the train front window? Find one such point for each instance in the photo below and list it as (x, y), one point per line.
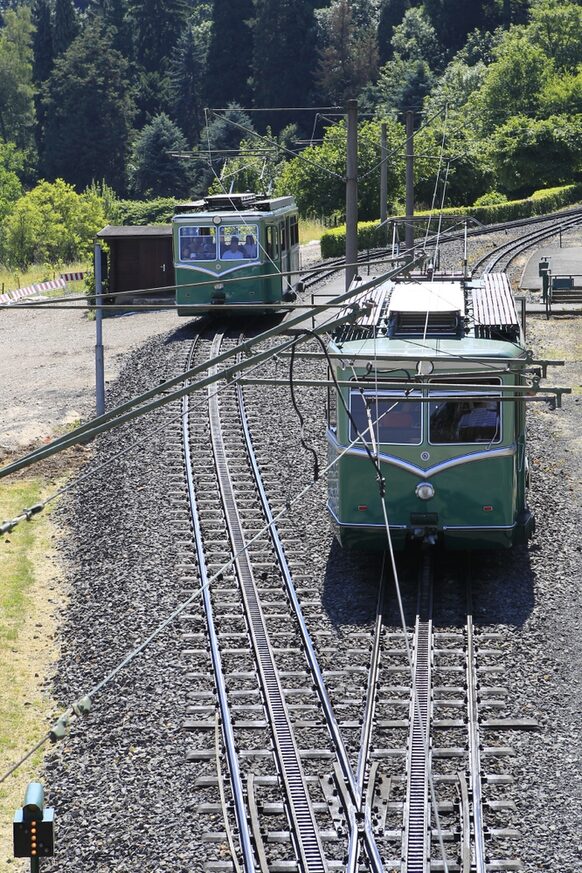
(197, 243)
(395, 421)
(239, 242)
(470, 419)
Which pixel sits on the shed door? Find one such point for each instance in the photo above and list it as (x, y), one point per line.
(142, 263)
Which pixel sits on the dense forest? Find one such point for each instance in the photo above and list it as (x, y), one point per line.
(109, 101)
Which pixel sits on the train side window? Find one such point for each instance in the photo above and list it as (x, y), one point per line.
(470, 419)
(283, 230)
(294, 231)
(272, 242)
(395, 421)
(332, 408)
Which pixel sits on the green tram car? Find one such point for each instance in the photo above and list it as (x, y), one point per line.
(235, 249)
(436, 368)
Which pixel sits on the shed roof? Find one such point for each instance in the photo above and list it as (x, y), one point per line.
(129, 231)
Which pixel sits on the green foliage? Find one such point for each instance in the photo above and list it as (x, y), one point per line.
(454, 19)
(254, 170)
(11, 164)
(51, 223)
(42, 40)
(230, 53)
(66, 26)
(348, 55)
(547, 150)
(88, 138)
(404, 84)
(415, 39)
(157, 26)
(140, 212)
(562, 94)
(17, 116)
(463, 161)
(556, 27)
(513, 83)
(316, 177)
(283, 52)
(153, 169)
(391, 14)
(370, 235)
(186, 73)
(491, 198)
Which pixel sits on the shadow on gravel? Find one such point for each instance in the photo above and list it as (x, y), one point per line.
(503, 587)
(351, 584)
(503, 584)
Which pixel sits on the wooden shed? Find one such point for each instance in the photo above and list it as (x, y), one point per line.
(139, 257)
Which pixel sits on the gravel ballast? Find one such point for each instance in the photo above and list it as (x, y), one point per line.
(123, 795)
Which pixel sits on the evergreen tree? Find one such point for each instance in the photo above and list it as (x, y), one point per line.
(66, 26)
(230, 53)
(283, 54)
(348, 57)
(42, 47)
(186, 76)
(114, 15)
(89, 112)
(221, 138)
(454, 19)
(391, 14)
(17, 116)
(42, 42)
(157, 26)
(153, 171)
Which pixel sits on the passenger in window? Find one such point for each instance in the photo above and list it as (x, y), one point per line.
(197, 250)
(250, 247)
(233, 251)
(185, 252)
(479, 422)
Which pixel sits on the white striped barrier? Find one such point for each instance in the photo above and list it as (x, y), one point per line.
(38, 288)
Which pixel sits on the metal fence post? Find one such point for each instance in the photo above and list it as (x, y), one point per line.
(99, 360)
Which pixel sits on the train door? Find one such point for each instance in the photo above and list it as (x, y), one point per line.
(285, 252)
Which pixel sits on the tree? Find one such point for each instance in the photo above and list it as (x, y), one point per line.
(461, 157)
(254, 170)
(153, 171)
(316, 178)
(89, 112)
(513, 83)
(455, 86)
(11, 166)
(66, 26)
(348, 57)
(17, 116)
(391, 14)
(230, 53)
(157, 26)
(51, 223)
(186, 78)
(283, 53)
(556, 27)
(454, 19)
(404, 85)
(532, 153)
(562, 94)
(415, 39)
(113, 14)
(42, 43)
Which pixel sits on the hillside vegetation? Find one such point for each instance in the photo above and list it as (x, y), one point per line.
(104, 106)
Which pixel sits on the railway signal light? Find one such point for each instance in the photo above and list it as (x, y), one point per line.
(33, 827)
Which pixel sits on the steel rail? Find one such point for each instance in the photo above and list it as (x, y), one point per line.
(305, 830)
(228, 732)
(416, 838)
(475, 783)
(354, 791)
(514, 247)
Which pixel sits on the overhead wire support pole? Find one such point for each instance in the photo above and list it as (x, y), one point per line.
(383, 175)
(409, 225)
(351, 191)
(99, 359)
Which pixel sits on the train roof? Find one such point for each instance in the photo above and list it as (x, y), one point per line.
(435, 316)
(233, 206)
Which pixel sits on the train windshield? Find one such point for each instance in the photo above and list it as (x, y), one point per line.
(396, 421)
(239, 242)
(197, 243)
(470, 419)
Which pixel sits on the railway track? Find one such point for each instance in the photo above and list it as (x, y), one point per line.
(327, 757)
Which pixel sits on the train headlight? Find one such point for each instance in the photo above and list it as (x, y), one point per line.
(424, 490)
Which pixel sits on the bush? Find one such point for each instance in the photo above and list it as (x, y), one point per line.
(370, 235)
(490, 199)
(51, 224)
(158, 211)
